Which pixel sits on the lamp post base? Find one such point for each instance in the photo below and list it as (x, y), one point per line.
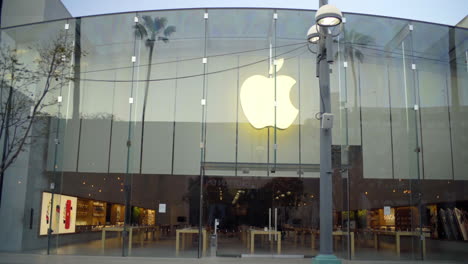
(326, 259)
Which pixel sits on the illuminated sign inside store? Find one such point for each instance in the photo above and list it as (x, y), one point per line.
(257, 96)
(59, 214)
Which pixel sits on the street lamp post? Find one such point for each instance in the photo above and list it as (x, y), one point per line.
(326, 17)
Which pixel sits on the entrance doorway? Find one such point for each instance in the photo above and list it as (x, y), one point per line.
(263, 215)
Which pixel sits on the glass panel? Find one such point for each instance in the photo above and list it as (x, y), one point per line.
(438, 55)
(381, 204)
(343, 237)
(221, 108)
(167, 124)
(295, 189)
(35, 63)
(433, 94)
(309, 107)
(253, 143)
(458, 90)
(230, 138)
(95, 148)
(289, 49)
(222, 96)
(340, 157)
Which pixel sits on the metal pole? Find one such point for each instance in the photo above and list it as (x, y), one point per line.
(326, 218)
(326, 197)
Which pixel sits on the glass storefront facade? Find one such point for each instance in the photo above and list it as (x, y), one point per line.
(212, 117)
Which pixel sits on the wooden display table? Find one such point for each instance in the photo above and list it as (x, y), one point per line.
(302, 231)
(121, 229)
(182, 232)
(243, 232)
(397, 235)
(155, 231)
(253, 232)
(335, 233)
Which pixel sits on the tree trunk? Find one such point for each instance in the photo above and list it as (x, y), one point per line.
(5, 141)
(77, 63)
(353, 70)
(145, 99)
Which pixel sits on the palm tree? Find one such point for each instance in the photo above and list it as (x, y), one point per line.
(352, 41)
(77, 70)
(151, 30)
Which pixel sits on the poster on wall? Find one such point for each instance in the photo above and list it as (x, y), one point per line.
(60, 214)
(162, 208)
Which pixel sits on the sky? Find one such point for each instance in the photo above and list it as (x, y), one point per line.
(448, 12)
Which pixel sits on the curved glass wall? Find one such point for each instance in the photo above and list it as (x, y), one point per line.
(166, 127)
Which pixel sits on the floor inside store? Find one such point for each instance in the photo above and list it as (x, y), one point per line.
(230, 245)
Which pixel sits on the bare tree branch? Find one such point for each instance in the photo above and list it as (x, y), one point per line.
(25, 89)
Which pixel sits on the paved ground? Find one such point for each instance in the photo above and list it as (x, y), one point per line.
(12, 258)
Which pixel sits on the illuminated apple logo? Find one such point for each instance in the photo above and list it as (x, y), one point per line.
(257, 97)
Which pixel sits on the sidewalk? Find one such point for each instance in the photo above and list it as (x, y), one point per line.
(17, 258)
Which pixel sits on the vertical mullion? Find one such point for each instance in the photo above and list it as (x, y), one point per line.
(128, 178)
(202, 144)
(237, 116)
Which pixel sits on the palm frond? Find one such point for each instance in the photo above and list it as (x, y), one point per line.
(164, 39)
(151, 28)
(149, 42)
(353, 39)
(140, 31)
(169, 30)
(359, 55)
(148, 21)
(160, 23)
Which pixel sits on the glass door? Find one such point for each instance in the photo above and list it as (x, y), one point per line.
(240, 206)
(295, 214)
(262, 216)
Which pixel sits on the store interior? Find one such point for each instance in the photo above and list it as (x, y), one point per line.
(386, 217)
